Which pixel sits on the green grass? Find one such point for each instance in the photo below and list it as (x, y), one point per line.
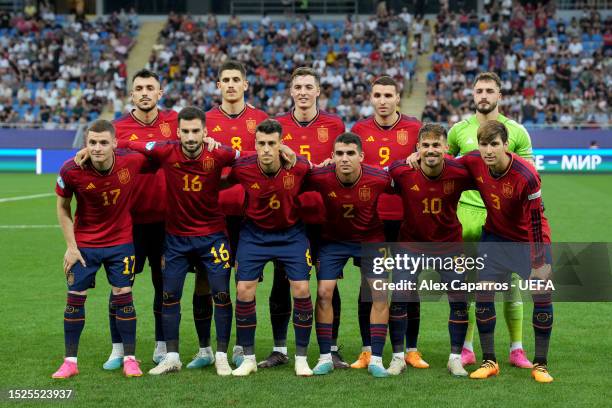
(34, 297)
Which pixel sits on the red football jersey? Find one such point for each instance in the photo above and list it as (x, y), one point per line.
(193, 186)
(383, 146)
(351, 211)
(239, 133)
(513, 201)
(150, 196)
(102, 217)
(271, 202)
(315, 141)
(430, 205)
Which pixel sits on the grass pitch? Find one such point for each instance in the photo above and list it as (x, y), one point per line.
(34, 298)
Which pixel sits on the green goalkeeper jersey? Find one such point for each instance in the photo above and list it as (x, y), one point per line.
(462, 140)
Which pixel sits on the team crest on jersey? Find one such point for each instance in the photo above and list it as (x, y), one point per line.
(288, 181)
(448, 186)
(70, 278)
(208, 164)
(507, 190)
(402, 137)
(365, 193)
(251, 125)
(124, 176)
(165, 129)
(322, 135)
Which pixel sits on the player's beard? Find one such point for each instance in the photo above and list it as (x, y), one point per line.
(146, 109)
(486, 111)
(191, 148)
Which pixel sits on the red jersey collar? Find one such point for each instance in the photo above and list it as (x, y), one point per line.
(505, 172)
(141, 123)
(399, 118)
(112, 167)
(267, 175)
(297, 122)
(227, 115)
(438, 176)
(352, 185)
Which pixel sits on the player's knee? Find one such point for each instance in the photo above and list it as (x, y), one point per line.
(221, 298)
(379, 307)
(121, 291)
(300, 289)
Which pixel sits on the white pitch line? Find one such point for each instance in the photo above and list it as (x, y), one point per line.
(28, 197)
(27, 226)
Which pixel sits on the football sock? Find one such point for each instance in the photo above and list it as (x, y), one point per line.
(223, 319)
(282, 350)
(485, 320)
(379, 336)
(74, 321)
(469, 334)
(457, 325)
(126, 321)
(337, 306)
(112, 320)
(280, 306)
(158, 297)
(542, 326)
(413, 316)
(397, 325)
(202, 316)
(246, 322)
(302, 324)
(363, 313)
(171, 320)
(324, 336)
(513, 311)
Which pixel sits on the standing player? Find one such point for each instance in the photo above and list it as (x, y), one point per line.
(272, 232)
(101, 234)
(430, 193)
(388, 136)
(510, 189)
(350, 191)
(195, 230)
(146, 123)
(471, 210)
(232, 124)
(309, 132)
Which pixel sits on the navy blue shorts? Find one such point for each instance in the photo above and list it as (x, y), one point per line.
(334, 255)
(256, 247)
(210, 253)
(504, 257)
(119, 263)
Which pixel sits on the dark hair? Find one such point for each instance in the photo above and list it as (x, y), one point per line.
(490, 129)
(270, 126)
(145, 73)
(305, 71)
(488, 76)
(432, 129)
(232, 64)
(386, 80)
(191, 113)
(99, 126)
(348, 138)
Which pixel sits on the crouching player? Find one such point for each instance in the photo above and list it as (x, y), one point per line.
(101, 234)
(272, 232)
(516, 233)
(430, 192)
(350, 191)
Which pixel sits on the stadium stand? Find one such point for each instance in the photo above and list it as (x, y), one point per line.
(59, 71)
(555, 71)
(190, 50)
